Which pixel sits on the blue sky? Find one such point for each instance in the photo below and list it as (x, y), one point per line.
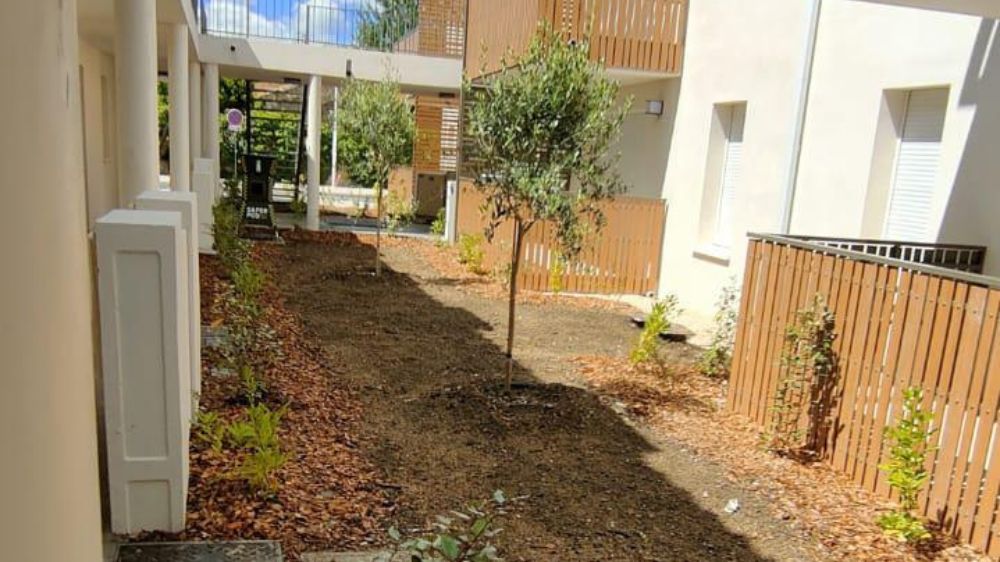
(329, 21)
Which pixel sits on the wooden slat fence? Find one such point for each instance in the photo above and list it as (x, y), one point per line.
(897, 325)
(623, 258)
(646, 35)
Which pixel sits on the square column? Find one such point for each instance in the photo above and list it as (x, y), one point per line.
(194, 99)
(210, 112)
(180, 118)
(143, 295)
(185, 203)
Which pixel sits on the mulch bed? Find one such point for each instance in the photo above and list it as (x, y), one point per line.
(689, 408)
(329, 496)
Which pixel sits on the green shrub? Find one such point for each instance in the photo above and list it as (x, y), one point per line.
(248, 281)
(716, 359)
(259, 469)
(398, 212)
(909, 439)
(258, 435)
(438, 225)
(232, 249)
(658, 321)
(808, 369)
(253, 387)
(557, 268)
(210, 430)
(298, 205)
(460, 536)
(471, 253)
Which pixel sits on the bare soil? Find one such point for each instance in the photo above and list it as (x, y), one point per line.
(425, 357)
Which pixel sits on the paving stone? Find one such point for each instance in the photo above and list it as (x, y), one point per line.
(235, 551)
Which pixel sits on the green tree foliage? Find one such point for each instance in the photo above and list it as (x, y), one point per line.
(906, 468)
(377, 117)
(542, 131)
(658, 321)
(385, 22)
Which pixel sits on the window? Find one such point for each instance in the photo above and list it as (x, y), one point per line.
(915, 173)
(722, 179)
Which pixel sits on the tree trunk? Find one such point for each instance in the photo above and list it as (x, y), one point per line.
(515, 262)
(378, 231)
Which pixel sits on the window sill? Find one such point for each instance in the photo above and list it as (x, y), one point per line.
(715, 254)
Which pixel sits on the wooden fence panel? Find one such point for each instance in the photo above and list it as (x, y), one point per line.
(622, 258)
(897, 325)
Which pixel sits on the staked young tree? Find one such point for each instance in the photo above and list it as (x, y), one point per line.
(540, 138)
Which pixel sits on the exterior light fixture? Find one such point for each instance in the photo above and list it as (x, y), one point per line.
(654, 107)
(348, 71)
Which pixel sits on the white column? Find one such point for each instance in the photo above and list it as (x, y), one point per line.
(180, 117)
(49, 479)
(135, 69)
(142, 282)
(210, 134)
(205, 189)
(313, 123)
(333, 137)
(194, 99)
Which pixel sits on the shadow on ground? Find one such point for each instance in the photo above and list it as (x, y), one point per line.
(441, 428)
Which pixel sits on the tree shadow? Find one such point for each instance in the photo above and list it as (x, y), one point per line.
(441, 427)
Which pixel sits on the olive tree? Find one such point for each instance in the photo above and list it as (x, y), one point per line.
(540, 137)
(379, 123)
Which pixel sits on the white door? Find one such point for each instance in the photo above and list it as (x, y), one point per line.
(732, 167)
(918, 161)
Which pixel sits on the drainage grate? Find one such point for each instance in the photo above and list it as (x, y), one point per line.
(236, 551)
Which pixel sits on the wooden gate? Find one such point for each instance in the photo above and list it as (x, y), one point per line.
(897, 325)
(623, 258)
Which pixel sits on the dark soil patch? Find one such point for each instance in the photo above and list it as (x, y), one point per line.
(426, 360)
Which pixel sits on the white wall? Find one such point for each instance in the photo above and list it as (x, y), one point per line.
(645, 141)
(100, 148)
(736, 52)
(865, 49)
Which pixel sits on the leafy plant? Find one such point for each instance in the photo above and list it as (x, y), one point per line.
(210, 430)
(807, 376)
(398, 212)
(543, 123)
(906, 468)
(258, 435)
(471, 253)
(461, 536)
(248, 281)
(232, 249)
(647, 347)
(259, 469)
(557, 268)
(716, 358)
(438, 224)
(385, 22)
(298, 205)
(377, 120)
(253, 387)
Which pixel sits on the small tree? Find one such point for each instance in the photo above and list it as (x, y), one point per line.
(377, 119)
(541, 133)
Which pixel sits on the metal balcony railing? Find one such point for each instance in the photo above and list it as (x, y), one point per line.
(425, 27)
(959, 257)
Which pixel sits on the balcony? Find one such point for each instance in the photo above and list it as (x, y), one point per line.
(424, 27)
(630, 36)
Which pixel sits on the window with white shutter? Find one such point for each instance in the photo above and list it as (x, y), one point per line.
(915, 177)
(732, 166)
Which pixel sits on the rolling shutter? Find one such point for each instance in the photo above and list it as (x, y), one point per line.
(731, 172)
(917, 164)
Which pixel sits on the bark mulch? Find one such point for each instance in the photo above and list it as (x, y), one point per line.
(689, 408)
(329, 495)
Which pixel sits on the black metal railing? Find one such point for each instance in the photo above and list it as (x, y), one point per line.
(959, 257)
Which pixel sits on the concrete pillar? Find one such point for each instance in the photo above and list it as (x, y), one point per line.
(210, 134)
(313, 123)
(201, 179)
(185, 203)
(333, 137)
(451, 211)
(143, 291)
(194, 99)
(49, 484)
(180, 116)
(135, 71)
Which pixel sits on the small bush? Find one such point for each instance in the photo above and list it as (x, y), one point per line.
(398, 212)
(210, 430)
(253, 387)
(258, 435)
(460, 536)
(658, 321)
(557, 268)
(716, 359)
(471, 253)
(259, 469)
(909, 439)
(232, 249)
(248, 281)
(298, 205)
(808, 369)
(438, 225)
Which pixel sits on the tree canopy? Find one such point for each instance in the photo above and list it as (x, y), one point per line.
(385, 22)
